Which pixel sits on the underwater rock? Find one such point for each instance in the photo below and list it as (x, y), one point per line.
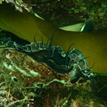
(99, 86)
(40, 85)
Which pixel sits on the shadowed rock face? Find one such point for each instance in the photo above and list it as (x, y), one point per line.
(28, 27)
(99, 86)
(8, 36)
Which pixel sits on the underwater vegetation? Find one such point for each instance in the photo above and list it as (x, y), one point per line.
(25, 82)
(31, 73)
(72, 61)
(68, 12)
(40, 68)
(27, 26)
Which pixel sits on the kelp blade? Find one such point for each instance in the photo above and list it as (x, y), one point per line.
(28, 27)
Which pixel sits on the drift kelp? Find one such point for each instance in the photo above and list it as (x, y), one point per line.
(72, 61)
(27, 26)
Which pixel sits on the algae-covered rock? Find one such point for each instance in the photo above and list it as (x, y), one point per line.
(24, 81)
